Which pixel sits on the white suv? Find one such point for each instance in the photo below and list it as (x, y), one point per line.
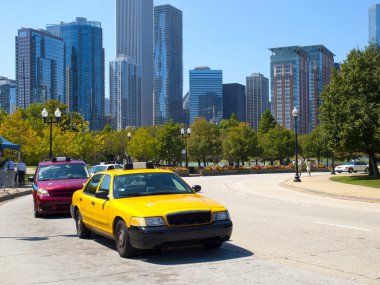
(103, 167)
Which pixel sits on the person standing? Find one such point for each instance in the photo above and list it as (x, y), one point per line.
(299, 167)
(21, 169)
(308, 167)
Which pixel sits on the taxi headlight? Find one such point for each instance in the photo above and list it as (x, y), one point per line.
(43, 192)
(147, 222)
(221, 216)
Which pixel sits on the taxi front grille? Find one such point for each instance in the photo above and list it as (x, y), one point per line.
(189, 218)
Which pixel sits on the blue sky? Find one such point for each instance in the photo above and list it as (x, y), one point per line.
(232, 35)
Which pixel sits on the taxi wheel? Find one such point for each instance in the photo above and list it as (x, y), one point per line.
(123, 245)
(213, 245)
(82, 231)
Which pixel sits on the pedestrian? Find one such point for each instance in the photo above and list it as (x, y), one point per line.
(9, 165)
(21, 169)
(308, 167)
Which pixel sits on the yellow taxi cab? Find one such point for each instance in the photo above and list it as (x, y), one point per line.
(145, 208)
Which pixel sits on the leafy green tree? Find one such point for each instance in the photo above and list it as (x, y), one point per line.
(267, 122)
(170, 143)
(205, 142)
(143, 145)
(227, 124)
(240, 143)
(350, 112)
(277, 144)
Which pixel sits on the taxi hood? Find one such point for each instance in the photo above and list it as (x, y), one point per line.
(158, 205)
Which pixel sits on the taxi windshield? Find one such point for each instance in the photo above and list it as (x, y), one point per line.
(145, 184)
(62, 171)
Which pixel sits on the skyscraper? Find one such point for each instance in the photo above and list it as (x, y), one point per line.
(257, 91)
(206, 94)
(321, 63)
(374, 23)
(168, 76)
(298, 76)
(289, 86)
(234, 101)
(84, 69)
(7, 95)
(125, 93)
(39, 67)
(134, 37)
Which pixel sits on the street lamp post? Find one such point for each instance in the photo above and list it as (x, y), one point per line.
(295, 114)
(50, 121)
(186, 136)
(129, 135)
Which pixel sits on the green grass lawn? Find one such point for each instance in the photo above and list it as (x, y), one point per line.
(363, 180)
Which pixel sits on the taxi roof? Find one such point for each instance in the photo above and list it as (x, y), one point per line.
(134, 171)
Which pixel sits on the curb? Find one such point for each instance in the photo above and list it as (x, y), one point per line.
(15, 195)
(330, 195)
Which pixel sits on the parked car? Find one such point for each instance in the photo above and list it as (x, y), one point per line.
(148, 208)
(54, 183)
(352, 166)
(103, 167)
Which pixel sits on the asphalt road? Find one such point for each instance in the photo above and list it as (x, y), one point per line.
(280, 237)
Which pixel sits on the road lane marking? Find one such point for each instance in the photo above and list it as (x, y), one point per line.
(343, 226)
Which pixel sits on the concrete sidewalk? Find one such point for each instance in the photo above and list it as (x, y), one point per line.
(17, 191)
(323, 186)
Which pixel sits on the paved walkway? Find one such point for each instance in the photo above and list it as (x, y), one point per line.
(323, 186)
(315, 184)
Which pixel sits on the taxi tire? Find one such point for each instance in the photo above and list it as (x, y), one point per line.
(82, 231)
(123, 245)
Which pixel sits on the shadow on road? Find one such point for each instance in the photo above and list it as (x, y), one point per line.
(183, 254)
(37, 238)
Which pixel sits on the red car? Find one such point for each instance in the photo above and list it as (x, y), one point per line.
(54, 183)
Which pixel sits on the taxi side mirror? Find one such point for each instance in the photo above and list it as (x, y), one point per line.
(101, 194)
(196, 188)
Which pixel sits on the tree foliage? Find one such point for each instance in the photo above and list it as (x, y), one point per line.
(350, 112)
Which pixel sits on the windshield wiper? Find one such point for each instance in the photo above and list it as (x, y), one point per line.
(131, 194)
(164, 193)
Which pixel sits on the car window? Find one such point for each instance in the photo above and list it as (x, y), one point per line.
(62, 171)
(110, 167)
(118, 166)
(105, 185)
(145, 184)
(91, 186)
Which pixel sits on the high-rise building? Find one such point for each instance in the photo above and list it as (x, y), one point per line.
(298, 76)
(39, 67)
(7, 95)
(134, 37)
(168, 74)
(84, 68)
(206, 94)
(321, 64)
(125, 93)
(374, 23)
(234, 101)
(186, 109)
(257, 91)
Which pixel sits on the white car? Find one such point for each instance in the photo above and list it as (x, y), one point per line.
(104, 166)
(352, 166)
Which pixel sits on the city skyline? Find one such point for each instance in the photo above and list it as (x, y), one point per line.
(211, 41)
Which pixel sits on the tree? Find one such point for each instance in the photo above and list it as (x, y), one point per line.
(170, 143)
(227, 124)
(240, 143)
(350, 112)
(267, 122)
(204, 143)
(143, 145)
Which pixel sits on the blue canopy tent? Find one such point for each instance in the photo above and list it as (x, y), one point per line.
(7, 144)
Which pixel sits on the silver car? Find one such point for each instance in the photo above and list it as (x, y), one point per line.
(352, 166)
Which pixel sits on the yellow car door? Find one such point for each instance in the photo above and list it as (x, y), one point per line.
(86, 199)
(100, 205)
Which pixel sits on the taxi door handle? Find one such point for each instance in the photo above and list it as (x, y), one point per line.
(93, 203)
(80, 199)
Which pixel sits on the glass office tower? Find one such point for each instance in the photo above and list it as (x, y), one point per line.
(374, 23)
(257, 91)
(39, 67)
(125, 93)
(7, 95)
(206, 94)
(84, 68)
(168, 66)
(234, 101)
(134, 39)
